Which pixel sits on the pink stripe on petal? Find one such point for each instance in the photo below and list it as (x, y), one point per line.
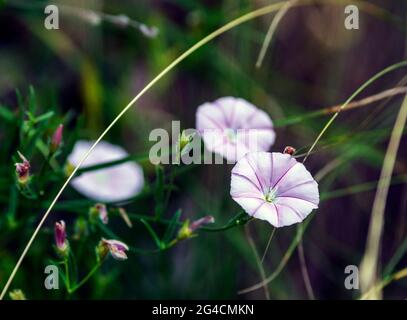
(286, 197)
(248, 180)
(293, 187)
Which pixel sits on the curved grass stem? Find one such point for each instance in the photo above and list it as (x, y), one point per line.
(369, 268)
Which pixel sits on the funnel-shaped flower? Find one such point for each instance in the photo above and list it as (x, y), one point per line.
(231, 127)
(274, 187)
(114, 183)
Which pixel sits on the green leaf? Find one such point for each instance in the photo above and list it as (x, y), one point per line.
(169, 233)
(153, 234)
(6, 114)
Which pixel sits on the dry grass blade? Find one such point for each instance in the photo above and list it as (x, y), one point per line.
(369, 265)
(258, 261)
(379, 287)
(272, 29)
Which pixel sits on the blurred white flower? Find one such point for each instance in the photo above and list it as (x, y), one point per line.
(232, 127)
(115, 183)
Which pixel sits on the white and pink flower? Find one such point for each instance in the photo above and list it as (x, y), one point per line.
(274, 187)
(232, 127)
(116, 248)
(115, 183)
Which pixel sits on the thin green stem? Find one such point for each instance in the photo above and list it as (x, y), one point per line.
(356, 93)
(154, 235)
(268, 244)
(86, 278)
(67, 278)
(284, 260)
(258, 261)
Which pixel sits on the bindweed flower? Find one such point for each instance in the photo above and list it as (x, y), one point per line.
(115, 247)
(99, 211)
(17, 294)
(114, 183)
(274, 187)
(187, 230)
(56, 139)
(60, 237)
(23, 170)
(231, 127)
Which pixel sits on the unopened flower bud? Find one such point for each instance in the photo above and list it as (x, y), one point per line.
(115, 247)
(23, 170)
(68, 169)
(57, 138)
(187, 230)
(183, 141)
(17, 294)
(101, 251)
(289, 150)
(60, 237)
(201, 222)
(99, 211)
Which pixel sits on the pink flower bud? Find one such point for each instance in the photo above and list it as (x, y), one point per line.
(116, 248)
(201, 222)
(57, 138)
(102, 212)
(187, 230)
(99, 211)
(60, 236)
(23, 169)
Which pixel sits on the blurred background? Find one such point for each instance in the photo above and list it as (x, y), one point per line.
(91, 67)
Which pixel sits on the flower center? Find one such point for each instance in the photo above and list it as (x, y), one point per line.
(231, 134)
(271, 195)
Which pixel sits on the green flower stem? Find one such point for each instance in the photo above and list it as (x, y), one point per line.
(153, 234)
(67, 278)
(86, 278)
